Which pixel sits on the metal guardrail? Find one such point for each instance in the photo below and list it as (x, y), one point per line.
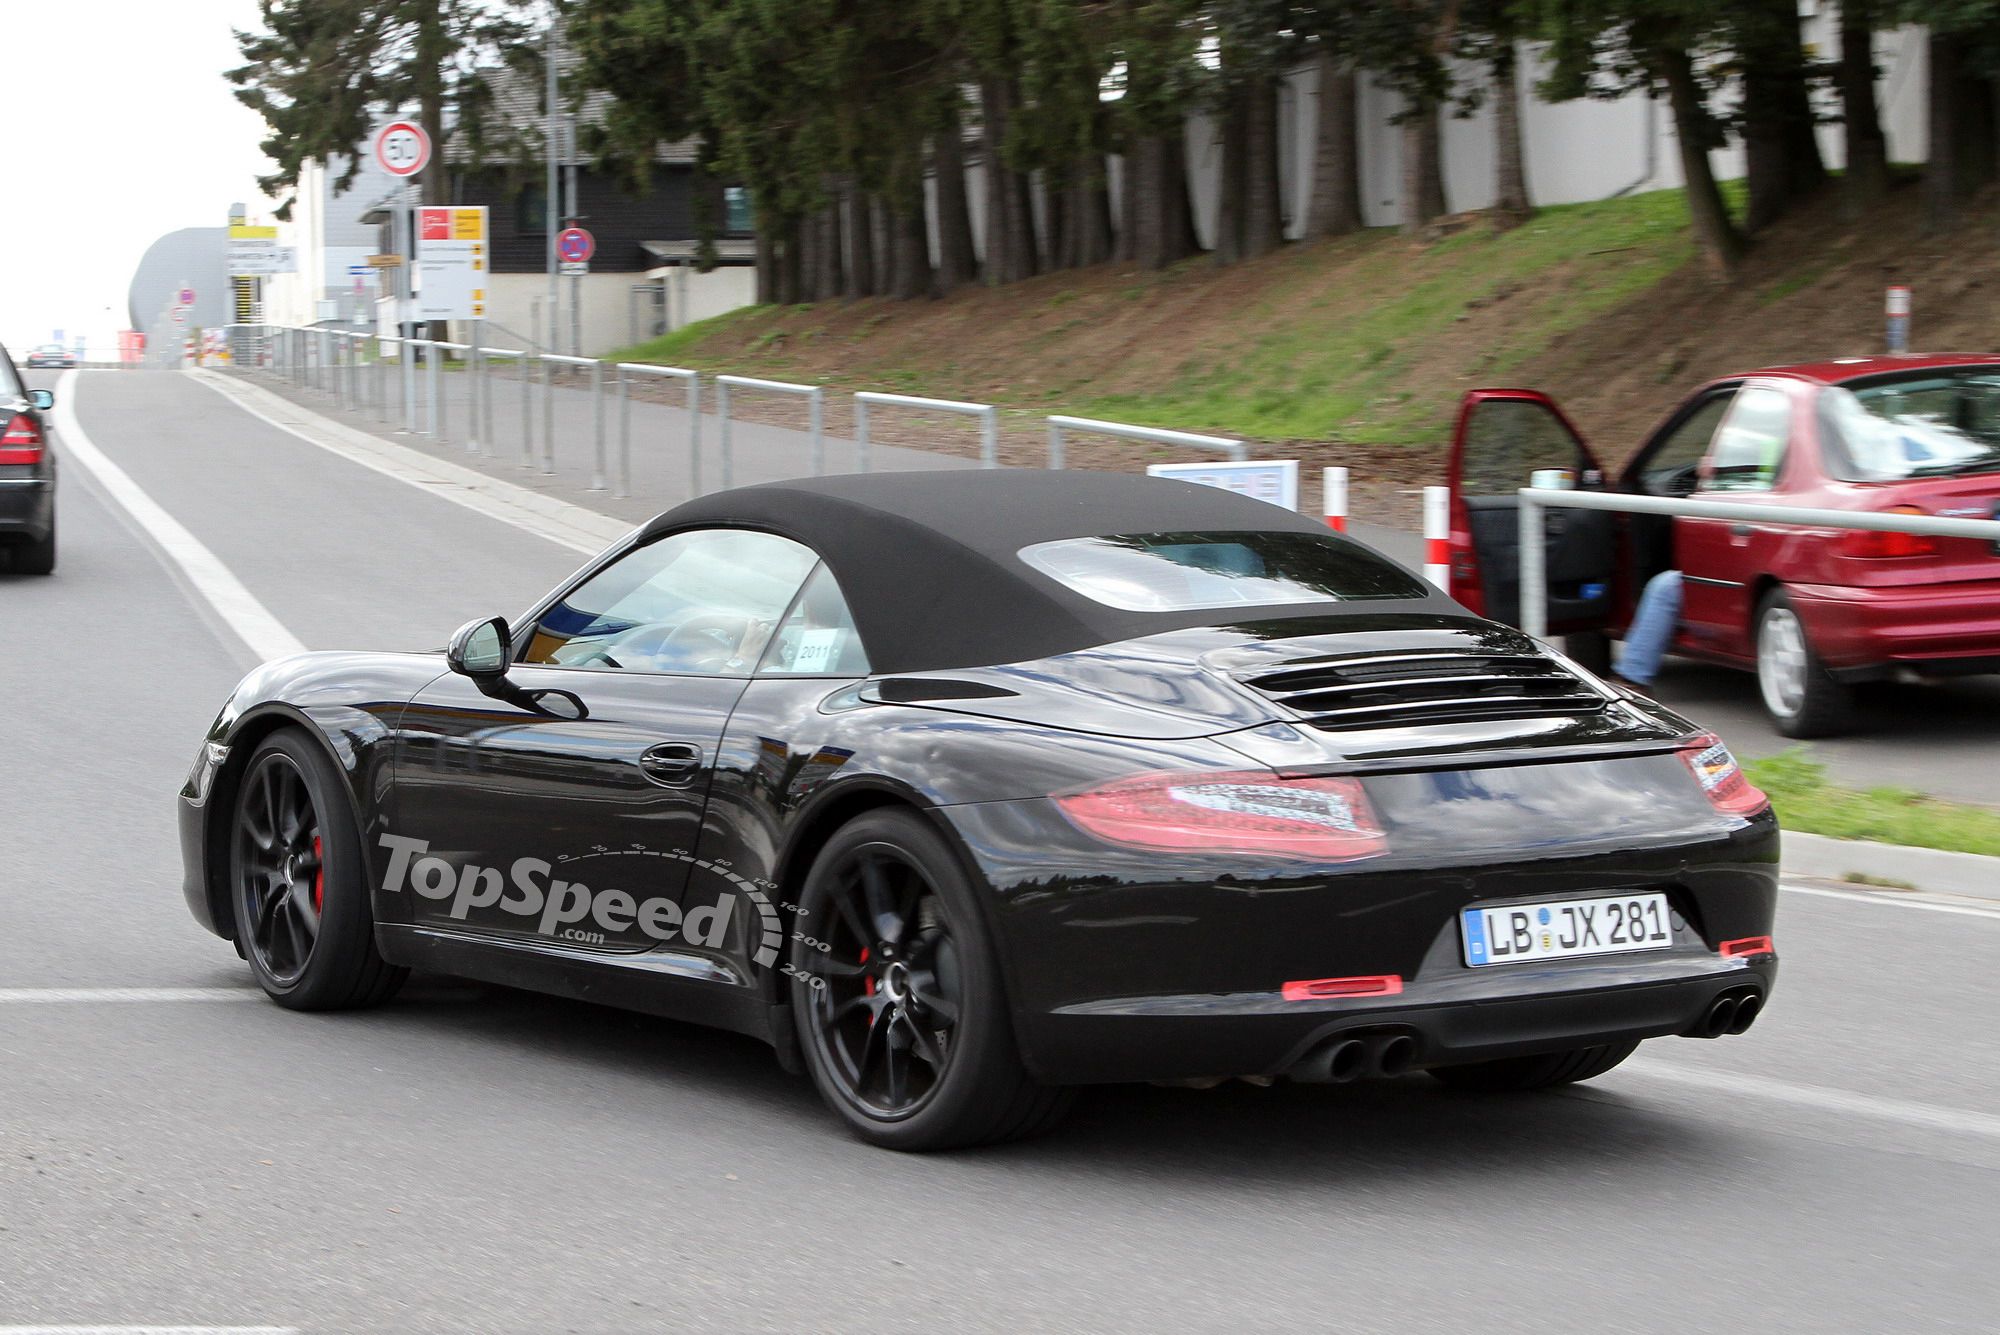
(552, 359)
(1235, 449)
(814, 396)
(989, 423)
(487, 355)
(1534, 500)
(626, 370)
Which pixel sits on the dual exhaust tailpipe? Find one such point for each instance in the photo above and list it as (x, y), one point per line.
(1350, 1057)
(1730, 1013)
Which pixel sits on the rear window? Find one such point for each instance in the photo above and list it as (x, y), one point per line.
(1927, 424)
(1179, 572)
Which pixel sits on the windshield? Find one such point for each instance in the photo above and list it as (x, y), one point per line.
(1927, 424)
(1177, 572)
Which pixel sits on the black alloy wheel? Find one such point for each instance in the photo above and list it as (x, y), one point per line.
(280, 868)
(297, 884)
(898, 998)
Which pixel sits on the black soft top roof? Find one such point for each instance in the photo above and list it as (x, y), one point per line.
(928, 560)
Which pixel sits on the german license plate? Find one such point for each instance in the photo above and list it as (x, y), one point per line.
(1566, 928)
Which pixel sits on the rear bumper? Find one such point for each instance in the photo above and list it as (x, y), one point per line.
(27, 507)
(1855, 630)
(1545, 1010)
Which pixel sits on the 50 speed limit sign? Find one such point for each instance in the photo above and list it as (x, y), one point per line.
(402, 148)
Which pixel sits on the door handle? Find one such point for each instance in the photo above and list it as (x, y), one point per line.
(671, 763)
(1739, 530)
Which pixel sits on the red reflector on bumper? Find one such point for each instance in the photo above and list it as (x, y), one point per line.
(1319, 989)
(1746, 945)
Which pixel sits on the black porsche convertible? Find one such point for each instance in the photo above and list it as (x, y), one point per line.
(965, 789)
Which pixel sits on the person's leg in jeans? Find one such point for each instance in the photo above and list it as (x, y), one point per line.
(1652, 628)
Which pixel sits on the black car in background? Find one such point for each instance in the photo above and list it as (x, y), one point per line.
(27, 475)
(53, 355)
(964, 789)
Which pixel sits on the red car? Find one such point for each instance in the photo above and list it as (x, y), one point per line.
(1811, 611)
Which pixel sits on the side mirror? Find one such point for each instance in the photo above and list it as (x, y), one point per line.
(43, 399)
(479, 649)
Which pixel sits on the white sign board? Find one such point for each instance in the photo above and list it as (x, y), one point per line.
(573, 268)
(451, 267)
(255, 258)
(1273, 480)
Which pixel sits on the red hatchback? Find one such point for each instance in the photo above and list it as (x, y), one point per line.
(1810, 610)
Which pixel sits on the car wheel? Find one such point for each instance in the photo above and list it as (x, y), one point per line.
(1513, 1075)
(1589, 650)
(1802, 700)
(902, 1014)
(37, 558)
(297, 883)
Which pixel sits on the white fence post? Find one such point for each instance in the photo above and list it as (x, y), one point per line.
(988, 415)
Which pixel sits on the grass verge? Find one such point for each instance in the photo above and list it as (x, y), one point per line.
(1806, 802)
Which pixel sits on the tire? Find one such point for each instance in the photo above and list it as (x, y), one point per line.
(1798, 695)
(902, 1014)
(1590, 650)
(298, 885)
(1514, 1075)
(36, 558)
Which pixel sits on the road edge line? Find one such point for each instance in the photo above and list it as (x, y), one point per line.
(558, 521)
(187, 556)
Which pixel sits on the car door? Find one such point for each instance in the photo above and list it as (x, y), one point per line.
(1669, 465)
(1720, 559)
(562, 803)
(1504, 437)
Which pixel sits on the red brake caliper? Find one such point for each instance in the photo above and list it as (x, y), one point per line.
(319, 879)
(867, 984)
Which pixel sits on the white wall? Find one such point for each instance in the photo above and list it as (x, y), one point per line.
(516, 301)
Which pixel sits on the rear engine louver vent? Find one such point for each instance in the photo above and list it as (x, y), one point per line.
(1399, 689)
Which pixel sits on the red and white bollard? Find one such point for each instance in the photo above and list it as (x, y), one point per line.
(1437, 536)
(1333, 494)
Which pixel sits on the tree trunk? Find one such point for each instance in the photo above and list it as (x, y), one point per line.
(1721, 243)
(1781, 154)
(860, 247)
(910, 244)
(1090, 215)
(878, 241)
(1423, 170)
(791, 262)
(1125, 248)
(1336, 194)
(958, 263)
(832, 279)
(766, 264)
(1867, 148)
(1232, 184)
(1510, 166)
(1178, 237)
(1010, 224)
(1263, 206)
(1056, 239)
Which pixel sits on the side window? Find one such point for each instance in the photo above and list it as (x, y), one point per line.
(1506, 440)
(818, 638)
(1751, 444)
(1669, 469)
(701, 603)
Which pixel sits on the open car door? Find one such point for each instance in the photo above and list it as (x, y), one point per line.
(1504, 437)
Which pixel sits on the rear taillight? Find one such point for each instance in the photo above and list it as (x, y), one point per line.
(1237, 811)
(1727, 786)
(21, 442)
(1871, 544)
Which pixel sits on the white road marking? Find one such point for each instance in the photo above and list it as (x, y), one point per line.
(29, 996)
(558, 521)
(1929, 1116)
(149, 1330)
(252, 622)
(1900, 899)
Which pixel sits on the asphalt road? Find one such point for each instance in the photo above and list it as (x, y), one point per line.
(475, 1159)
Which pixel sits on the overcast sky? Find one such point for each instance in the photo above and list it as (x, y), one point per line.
(120, 128)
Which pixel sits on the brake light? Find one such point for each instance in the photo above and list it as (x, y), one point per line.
(1321, 989)
(1239, 811)
(21, 442)
(1729, 789)
(1871, 544)
(1745, 946)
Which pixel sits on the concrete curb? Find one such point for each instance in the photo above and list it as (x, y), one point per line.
(1928, 869)
(567, 525)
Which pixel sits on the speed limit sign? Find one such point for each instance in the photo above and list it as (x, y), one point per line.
(402, 148)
